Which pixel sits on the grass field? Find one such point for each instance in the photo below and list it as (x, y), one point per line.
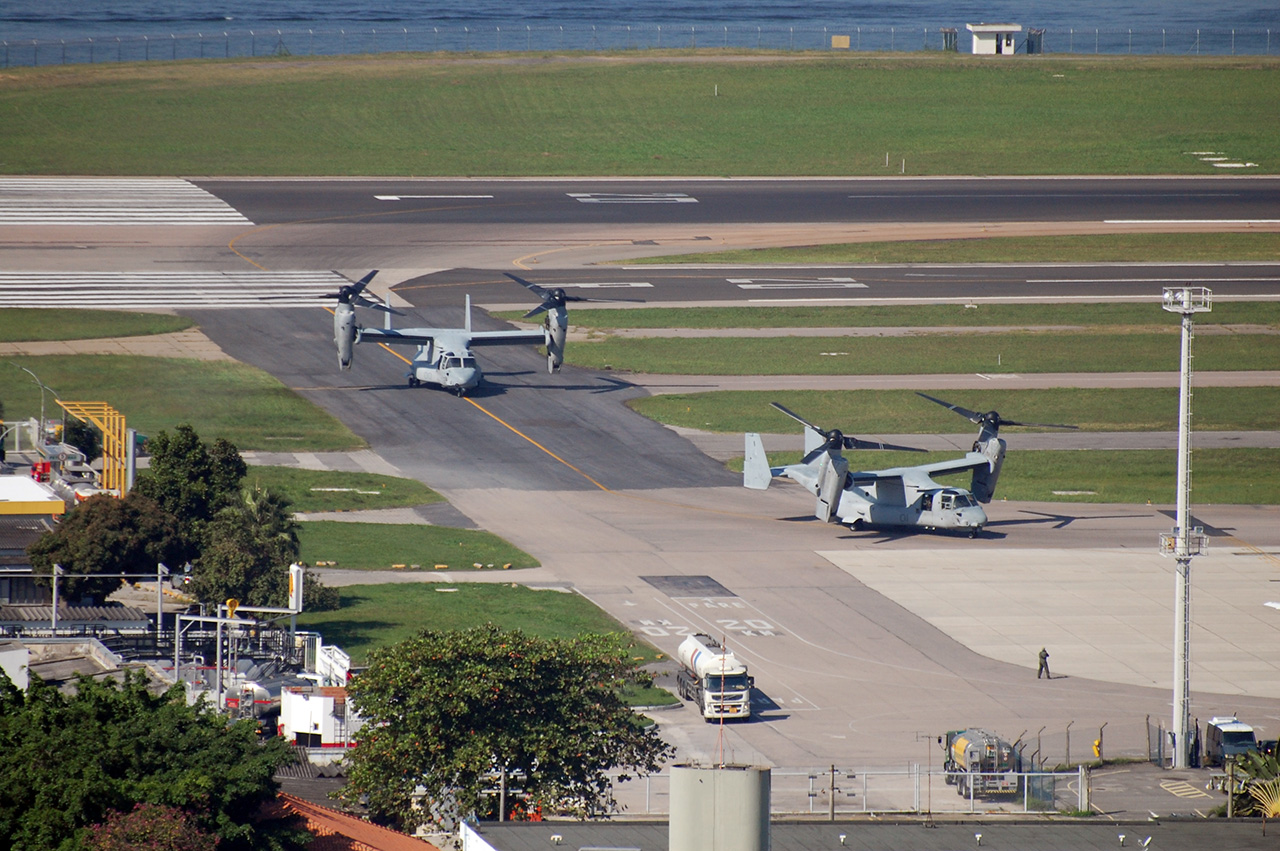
(639, 114)
(1122, 317)
(379, 546)
(218, 398)
(375, 616)
(1102, 248)
(1013, 352)
(872, 412)
(23, 325)
(1126, 477)
(331, 490)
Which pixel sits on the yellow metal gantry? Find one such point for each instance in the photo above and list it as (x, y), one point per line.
(111, 423)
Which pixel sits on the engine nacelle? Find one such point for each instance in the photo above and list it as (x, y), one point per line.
(983, 485)
(344, 333)
(556, 326)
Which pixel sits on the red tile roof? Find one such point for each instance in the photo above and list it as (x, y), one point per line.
(337, 831)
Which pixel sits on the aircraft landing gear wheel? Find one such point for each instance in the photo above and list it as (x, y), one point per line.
(975, 531)
(413, 382)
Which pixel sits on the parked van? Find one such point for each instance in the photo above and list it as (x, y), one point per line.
(1226, 736)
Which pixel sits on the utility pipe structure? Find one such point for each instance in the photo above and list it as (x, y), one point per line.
(1184, 542)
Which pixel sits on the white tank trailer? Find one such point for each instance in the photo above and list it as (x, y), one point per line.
(713, 678)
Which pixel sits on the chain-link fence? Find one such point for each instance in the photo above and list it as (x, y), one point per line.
(488, 38)
(838, 793)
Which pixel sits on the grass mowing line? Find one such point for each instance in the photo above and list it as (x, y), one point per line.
(876, 412)
(1015, 352)
(817, 114)
(1121, 476)
(383, 546)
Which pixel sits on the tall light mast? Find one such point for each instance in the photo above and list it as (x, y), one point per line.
(1184, 542)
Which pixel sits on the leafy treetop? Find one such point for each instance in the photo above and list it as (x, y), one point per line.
(449, 710)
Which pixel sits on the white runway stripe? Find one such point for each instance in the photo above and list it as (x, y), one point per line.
(151, 290)
(111, 201)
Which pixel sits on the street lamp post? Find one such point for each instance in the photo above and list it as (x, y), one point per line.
(40, 384)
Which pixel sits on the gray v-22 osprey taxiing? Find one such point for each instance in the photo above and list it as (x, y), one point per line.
(898, 496)
(444, 354)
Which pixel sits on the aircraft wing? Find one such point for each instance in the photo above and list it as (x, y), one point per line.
(920, 476)
(449, 337)
(405, 336)
(506, 338)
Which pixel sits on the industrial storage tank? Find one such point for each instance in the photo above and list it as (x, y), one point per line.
(719, 808)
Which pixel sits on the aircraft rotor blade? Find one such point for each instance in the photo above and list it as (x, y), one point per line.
(990, 419)
(797, 417)
(971, 416)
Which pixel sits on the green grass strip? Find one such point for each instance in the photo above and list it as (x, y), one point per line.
(633, 114)
(1127, 477)
(874, 412)
(379, 546)
(333, 490)
(914, 355)
(1101, 248)
(26, 325)
(374, 616)
(218, 398)
(1121, 316)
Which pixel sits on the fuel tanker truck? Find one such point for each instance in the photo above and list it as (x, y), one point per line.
(713, 678)
(979, 762)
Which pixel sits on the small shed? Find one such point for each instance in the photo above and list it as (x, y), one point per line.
(991, 39)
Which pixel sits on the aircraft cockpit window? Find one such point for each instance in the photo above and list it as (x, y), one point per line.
(452, 363)
(946, 501)
(963, 500)
(467, 362)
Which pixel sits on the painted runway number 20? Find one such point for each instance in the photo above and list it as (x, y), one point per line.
(751, 626)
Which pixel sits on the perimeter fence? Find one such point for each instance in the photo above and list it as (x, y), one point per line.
(516, 37)
(833, 792)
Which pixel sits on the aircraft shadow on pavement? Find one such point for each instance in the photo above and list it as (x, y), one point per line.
(1060, 521)
(1210, 530)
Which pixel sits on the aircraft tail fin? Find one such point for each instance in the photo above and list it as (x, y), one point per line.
(755, 464)
(467, 317)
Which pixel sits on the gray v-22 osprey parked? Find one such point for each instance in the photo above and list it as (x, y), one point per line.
(898, 496)
(444, 354)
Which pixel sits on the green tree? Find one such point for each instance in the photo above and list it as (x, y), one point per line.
(448, 710)
(246, 553)
(70, 761)
(189, 478)
(104, 534)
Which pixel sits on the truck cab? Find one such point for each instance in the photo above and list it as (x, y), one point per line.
(713, 678)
